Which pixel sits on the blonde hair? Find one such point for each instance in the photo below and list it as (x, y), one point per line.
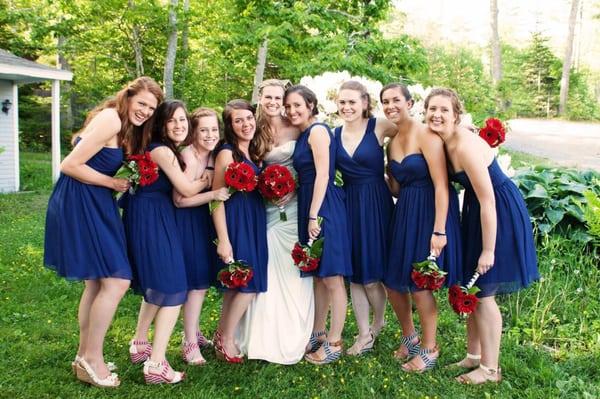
(263, 127)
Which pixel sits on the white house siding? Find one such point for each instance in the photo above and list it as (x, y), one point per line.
(9, 171)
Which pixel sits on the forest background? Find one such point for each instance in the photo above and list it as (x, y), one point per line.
(207, 52)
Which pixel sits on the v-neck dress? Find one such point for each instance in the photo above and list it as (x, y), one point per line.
(515, 260)
(412, 226)
(247, 229)
(368, 204)
(335, 260)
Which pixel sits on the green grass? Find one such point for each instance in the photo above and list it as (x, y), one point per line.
(550, 348)
(522, 159)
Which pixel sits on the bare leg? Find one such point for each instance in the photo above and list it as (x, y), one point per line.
(360, 304)
(488, 321)
(147, 314)
(92, 287)
(239, 305)
(191, 316)
(426, 307)
(165, 320)
(339, 303)
(322, 302)
(101, 314)
(402, 307)
(225, 306)
(377, 298)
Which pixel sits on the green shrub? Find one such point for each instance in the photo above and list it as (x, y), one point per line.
(555, 198)
(592, 214)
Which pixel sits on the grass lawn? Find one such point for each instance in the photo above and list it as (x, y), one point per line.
(551, 341)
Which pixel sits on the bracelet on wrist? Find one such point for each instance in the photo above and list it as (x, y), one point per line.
(439, 233)
(312, 218)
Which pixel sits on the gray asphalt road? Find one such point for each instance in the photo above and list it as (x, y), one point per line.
(574, 144)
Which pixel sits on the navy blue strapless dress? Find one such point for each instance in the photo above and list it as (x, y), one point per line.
(84, 236)
(247, 229)
(515, 260)
(335, 260)
(412, 226)
(368, 204)
(197, 234)
(154, 244)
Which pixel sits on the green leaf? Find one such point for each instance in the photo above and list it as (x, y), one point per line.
(316, 249)
(555, 215)
(537, 192)
(339, 181)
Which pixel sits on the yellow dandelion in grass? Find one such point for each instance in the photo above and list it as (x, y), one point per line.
(342, 380)
(237, 388)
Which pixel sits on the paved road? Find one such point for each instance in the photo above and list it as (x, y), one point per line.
(574, 144)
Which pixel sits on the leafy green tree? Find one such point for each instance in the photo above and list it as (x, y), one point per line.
(462, 70)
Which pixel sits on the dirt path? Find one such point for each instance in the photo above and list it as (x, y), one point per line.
(574, 144)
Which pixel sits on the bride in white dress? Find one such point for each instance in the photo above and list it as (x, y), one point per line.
(278, 323)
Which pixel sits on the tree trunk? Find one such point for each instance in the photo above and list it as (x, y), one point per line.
(260, 69)
(495, 44)
(171, 50)
(564, 81)
(137, 45)
(184, 47)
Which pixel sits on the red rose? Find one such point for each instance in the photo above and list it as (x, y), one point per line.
(419, 279)
(224, 277)
(493, 132)
(298, 254)
(310, 264)
(467, 303)
(453, 293)
(434, 281)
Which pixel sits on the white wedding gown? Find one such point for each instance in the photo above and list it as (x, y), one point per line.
(277, 325)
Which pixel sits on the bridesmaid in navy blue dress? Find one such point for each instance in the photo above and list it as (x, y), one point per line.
(497, 234)
(196, 228)
(314, 161)
(369, 206)
(241, 223)
(425, 221)
(84, 237)
(154, 244)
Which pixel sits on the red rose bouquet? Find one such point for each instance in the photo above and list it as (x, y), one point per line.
(237, 274)
(427, 274)
(140, 170)
(307, 257)
(463, 299)
(493, 132)
(274, 183)
(239, 176)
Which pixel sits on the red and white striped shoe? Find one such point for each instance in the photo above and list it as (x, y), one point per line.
(190, 351)
(203, 342)
(158, 373)
(135, 354)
